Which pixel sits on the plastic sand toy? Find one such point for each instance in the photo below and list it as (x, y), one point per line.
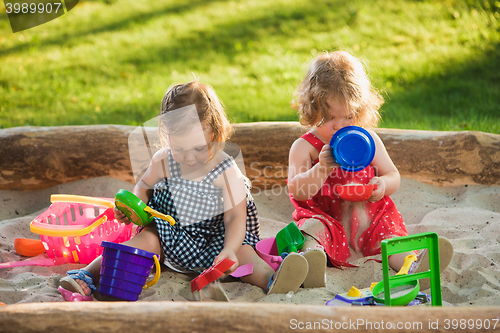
(267, 249)
(74, 297)
(353, 148)
(127, 202)
(37, 262)
(355, 192)
(396, 245)
(125, 269)
(75, 230)
(289, 239)
(29, 247)
(136, 210)
(211, 274)
(402, 288)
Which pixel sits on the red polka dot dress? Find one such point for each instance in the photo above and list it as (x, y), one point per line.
(382, 217)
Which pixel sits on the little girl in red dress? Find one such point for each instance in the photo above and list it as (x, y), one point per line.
(336, 93)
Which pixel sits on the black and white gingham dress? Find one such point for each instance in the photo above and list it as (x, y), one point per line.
(198, 208)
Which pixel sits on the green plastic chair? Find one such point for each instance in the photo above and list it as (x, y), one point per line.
(427, 240)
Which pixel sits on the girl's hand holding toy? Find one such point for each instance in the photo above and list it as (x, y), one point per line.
(227, 253)
(327, 159)
(120, 217)
(354, 148)
(379, 191)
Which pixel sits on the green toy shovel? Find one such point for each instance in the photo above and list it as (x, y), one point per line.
(289, 239)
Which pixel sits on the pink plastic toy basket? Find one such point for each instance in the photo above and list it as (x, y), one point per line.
(76, 230)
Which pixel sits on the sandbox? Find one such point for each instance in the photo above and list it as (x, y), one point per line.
(450, 185)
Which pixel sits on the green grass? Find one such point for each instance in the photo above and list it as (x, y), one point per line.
(436, 62)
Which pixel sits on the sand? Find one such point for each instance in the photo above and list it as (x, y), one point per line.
(468, 215)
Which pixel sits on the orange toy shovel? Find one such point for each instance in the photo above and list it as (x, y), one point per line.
(29, 247)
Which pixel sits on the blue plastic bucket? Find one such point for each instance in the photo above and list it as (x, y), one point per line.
(125, 269)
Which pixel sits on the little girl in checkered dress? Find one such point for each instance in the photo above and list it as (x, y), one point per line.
(193, 180)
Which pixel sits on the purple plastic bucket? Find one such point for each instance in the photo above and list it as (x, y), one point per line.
(268, 251)
(112, 263)
(114, 273)
(124, 270)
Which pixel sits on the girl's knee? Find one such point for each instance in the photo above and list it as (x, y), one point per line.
(147, 240)
(245, 252)
(311, 227)
(313, 221)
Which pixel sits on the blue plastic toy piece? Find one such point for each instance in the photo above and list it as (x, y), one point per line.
(353, 148)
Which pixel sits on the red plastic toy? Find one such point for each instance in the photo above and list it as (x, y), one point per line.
(211, 274)
(355, 192)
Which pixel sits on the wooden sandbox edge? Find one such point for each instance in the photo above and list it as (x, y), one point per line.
(239, 317)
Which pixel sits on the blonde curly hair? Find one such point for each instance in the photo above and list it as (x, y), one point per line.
(342, 77)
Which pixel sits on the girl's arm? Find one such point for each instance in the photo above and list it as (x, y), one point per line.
(387, 175)
(235, 214)
(305, 180)
(144, 187)
(156, 171)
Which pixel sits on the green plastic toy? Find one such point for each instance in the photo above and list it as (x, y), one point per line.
(289, 239)
(136, 210)
(428, 240)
